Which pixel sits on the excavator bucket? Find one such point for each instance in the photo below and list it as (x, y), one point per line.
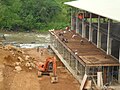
(54, 79)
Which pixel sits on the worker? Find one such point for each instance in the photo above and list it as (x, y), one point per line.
(81, 42)
(48, 47)
(41, 52)
(76, 52)
(38, 49)
(4, 37)
(65, 40)
(67, 28)
(64, 32)
(73, 36)
(61, 33)
(80, 16)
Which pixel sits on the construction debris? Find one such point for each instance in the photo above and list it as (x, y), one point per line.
(18, 59)
(13, 48)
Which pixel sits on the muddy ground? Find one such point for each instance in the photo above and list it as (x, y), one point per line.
(27, 79)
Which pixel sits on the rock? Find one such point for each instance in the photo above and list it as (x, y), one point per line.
(18, 68)
(27, 64)
(27, 58)
(10, 47)
(20, 51)
(21, 60)
(30, 68)
(32, 65)
(17, 63)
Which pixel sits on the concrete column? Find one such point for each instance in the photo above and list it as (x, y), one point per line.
(119, 54)
(71, 19)
(90, 28)
(77, 24)
(98, 34)
(83, 28)
(76, 66)
(108, 40)
(119, 66)
(85, 70)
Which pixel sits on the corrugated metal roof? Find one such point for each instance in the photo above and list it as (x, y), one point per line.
(106, 8)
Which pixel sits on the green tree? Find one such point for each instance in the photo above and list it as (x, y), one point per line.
(32, 14)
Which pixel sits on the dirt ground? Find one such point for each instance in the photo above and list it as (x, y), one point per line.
(28, 80)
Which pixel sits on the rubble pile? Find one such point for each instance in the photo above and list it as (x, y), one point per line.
(18, 59)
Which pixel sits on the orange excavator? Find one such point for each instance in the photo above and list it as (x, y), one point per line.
(48, 68)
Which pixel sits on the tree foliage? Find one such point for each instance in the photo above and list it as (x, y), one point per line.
(30, 14)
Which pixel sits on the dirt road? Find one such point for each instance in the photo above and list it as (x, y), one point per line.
(25, 81)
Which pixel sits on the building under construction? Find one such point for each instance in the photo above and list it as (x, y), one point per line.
(92, 44)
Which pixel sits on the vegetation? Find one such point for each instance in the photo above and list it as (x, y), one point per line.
(33, 14)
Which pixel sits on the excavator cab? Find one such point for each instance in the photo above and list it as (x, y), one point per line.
(50, 67)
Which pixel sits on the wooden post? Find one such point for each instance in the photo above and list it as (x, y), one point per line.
(99, 79)
(83, 82)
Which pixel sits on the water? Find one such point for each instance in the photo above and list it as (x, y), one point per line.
(27, 40)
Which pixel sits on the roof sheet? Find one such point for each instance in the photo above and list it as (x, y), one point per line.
(106, 8)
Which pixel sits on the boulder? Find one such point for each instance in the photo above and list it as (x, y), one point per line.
(27, 64)
(18, 68)
(20, 59)
(17, 63)
(27, 58)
